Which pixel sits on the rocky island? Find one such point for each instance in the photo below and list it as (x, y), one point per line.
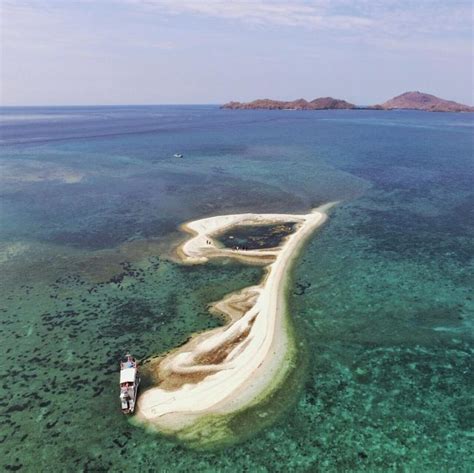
(406, 101)
(421, 101)
(321, 103)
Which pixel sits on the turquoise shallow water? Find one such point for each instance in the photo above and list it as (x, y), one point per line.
(381, 298)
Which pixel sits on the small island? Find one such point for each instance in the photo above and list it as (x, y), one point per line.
(199, 386)
(322, 103)
(421, 101)
(406, 101)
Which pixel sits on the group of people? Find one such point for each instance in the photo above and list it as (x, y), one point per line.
(129, 362)
(243, 248)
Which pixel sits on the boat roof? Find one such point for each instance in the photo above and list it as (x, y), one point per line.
(127, 375)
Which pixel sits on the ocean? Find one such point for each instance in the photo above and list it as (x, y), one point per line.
(381, 298)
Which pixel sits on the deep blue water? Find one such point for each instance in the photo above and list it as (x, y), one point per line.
(91, 198)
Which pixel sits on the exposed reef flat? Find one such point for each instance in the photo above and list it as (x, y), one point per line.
(229, 368)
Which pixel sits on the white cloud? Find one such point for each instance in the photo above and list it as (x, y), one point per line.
(391, 16)
(390, 21)
(259, 12)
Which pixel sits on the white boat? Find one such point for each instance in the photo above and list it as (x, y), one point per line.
(177, 155)
(129, 381)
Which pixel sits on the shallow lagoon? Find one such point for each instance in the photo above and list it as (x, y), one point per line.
(91, 199)
(254, 237)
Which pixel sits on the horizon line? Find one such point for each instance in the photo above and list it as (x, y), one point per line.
(108, 105)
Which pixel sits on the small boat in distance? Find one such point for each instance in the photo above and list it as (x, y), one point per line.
(177, 155)
(129, 381)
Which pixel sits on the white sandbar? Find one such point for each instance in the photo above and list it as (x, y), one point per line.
(225, 369)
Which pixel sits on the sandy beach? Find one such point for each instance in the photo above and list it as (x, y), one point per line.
(223, 370)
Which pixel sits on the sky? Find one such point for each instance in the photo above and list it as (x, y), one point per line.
(66, 52)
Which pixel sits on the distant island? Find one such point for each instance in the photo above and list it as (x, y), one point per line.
(422, 101)
(322, 103)
(407, 101)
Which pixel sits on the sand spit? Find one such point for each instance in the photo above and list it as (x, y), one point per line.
(223, 370)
